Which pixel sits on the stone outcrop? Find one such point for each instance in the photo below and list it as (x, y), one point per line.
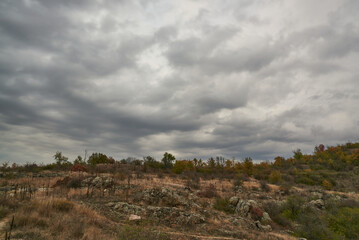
(163, 197)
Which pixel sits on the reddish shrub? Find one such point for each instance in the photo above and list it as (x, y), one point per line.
(78, 168)
(256, 213)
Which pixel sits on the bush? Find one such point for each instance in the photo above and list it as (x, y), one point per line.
(256, 213)
(264, 186)
(78, 168)
(275, 212)
(275, 177)
(293, 207)
(327, 185)
(129, 232)
(74, 182)
(305, 180)
(312, 226)
(346, 222)
(209, 192)
(3, 212)
(222, 204)
(183, 165)
(193, 180)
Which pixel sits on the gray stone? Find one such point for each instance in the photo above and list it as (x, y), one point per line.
(316, 195)
(319, 203)
(266, 218)
(233, 200)
(266, 228)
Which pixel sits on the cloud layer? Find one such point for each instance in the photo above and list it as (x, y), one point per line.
(242, 78)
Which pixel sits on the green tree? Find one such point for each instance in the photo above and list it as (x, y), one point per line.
(151, 162)
(79, 160)
(97, 158)
(168, 159)
(248, 166)
(211, 163)
(60, 159)
(297, 154)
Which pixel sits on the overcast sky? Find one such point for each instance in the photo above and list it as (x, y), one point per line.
(231, 78)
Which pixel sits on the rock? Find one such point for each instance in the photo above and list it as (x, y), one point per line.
(173, 215)
(266, 228)
(243, 207)
(163, 196)
(125, 208)
(134, 217)
(233, 201)
(266, 219)
(319, 203)
(97, 182)
(316, 195)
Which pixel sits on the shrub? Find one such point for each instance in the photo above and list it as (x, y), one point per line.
(312, 226)
(327, 185)
(78, 168)
(292, 207)
(256, 213)
(275, 177)
(193, 180)
(305, 180)
(222, 204)
(62, 182)
(209, 192)
(346, 222)
(75, 182)
(275, 212)
(183, 165)
(264, 186)
(285, 188)
(3, 212)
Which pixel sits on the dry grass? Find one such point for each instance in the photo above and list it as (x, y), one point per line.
(60, 219)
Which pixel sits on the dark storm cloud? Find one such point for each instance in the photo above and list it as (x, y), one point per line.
(194, 78)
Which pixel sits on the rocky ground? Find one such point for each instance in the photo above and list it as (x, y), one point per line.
(170, 206)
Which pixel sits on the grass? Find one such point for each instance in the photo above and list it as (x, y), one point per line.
(222, 204)
(60, 219)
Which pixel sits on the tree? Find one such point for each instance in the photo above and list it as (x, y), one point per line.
(97, 158)
(211, 163)
(248, 166)
(275, 177)
(168, 159)
(279, 161)
(79, 160)
(60, 159)
(297, 154)
(151, 162)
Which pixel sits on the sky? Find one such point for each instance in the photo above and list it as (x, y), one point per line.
(232, 78)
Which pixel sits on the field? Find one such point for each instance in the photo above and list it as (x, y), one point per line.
(134, 200)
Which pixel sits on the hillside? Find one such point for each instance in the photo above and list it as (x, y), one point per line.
(311, 196)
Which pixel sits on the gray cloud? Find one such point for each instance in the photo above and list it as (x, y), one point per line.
(133, 78)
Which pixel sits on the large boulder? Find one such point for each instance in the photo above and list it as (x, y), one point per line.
(265, 228)
(98, 182)
(319, 203)
(125, 209)
(244, 207)
(163, 196)
(233, 201)
(266, 218)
